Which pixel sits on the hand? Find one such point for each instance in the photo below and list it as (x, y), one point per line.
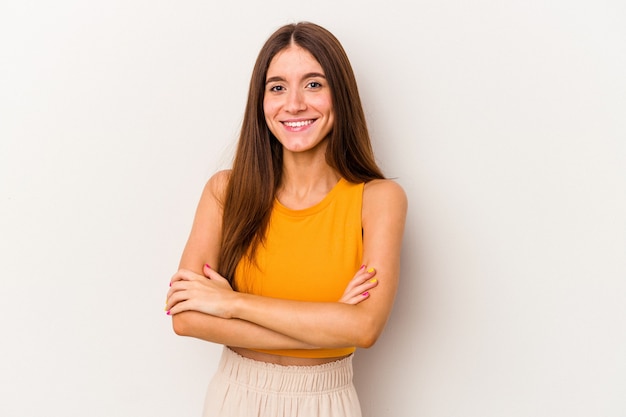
(209, 293)
(358, 288)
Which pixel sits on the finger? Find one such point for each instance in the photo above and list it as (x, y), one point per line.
(364, 273)
(178, 308)
(355, 290)
(212, 274)
(185, 275)
(180, 285)
(180, 275)
(175, 287)
(183, 289)
(358, 298)
(362, 280)
(174, 299)
(363, 288)
(207, 270)
(368, 272)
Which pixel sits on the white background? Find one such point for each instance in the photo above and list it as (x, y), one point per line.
(503, 120)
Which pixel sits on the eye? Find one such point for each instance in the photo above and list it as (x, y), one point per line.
(276, 88)
(314, 84)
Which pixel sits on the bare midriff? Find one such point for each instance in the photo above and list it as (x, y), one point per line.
(282, 360)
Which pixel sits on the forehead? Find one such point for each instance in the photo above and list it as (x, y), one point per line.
(293, 59)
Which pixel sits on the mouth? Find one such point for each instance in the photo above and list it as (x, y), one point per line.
(298, 125)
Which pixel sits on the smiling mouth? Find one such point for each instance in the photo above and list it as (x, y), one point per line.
(299, 124)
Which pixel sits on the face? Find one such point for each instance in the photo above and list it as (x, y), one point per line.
(297, 101)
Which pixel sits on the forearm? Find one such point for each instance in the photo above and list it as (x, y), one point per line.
(322, 324)
(232, 332)
(334, 324)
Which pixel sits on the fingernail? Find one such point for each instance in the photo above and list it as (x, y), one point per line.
(167, 312)
(373, 280)
(365, 294)
(207, 265)
(371, 270)
(362, 266)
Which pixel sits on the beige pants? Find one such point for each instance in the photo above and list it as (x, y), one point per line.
(244, 387)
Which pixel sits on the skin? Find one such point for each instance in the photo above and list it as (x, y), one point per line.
(298, 110)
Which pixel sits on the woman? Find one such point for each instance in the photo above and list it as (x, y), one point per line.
(293, 258)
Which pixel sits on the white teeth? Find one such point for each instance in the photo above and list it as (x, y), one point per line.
(298, 124)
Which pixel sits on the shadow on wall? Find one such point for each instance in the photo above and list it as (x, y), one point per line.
(392, 360)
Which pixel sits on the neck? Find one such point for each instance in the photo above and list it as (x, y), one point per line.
(306, 179)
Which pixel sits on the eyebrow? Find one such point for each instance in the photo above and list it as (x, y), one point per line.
(308, 75)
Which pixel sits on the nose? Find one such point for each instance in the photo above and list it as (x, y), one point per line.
(294, 101)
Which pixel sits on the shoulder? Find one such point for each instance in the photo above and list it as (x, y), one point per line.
(383, 198)
(215, 187)
(384, 190)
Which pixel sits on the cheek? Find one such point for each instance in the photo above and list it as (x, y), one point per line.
(324, 104)
(270, 125)
(330, 112)
(269, 107)
(268, 114)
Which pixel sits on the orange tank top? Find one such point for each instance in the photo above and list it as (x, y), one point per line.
(308, 255)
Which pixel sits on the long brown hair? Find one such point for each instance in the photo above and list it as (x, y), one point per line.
(257, 167)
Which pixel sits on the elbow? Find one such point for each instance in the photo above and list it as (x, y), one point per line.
(368, 335)
(366, 344)
(366, 341)
(180, 324)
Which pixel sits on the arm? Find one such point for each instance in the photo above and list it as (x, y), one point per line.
(325, 324)
(202, 248)
(192, 289)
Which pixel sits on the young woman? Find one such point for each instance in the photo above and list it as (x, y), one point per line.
(294, 254)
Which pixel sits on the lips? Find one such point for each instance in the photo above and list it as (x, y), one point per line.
(298, 124)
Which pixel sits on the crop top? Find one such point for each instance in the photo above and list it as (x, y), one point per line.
(308, 255)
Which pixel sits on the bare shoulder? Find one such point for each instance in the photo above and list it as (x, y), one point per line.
(217, 184)
(386, 192)
(384, 205)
